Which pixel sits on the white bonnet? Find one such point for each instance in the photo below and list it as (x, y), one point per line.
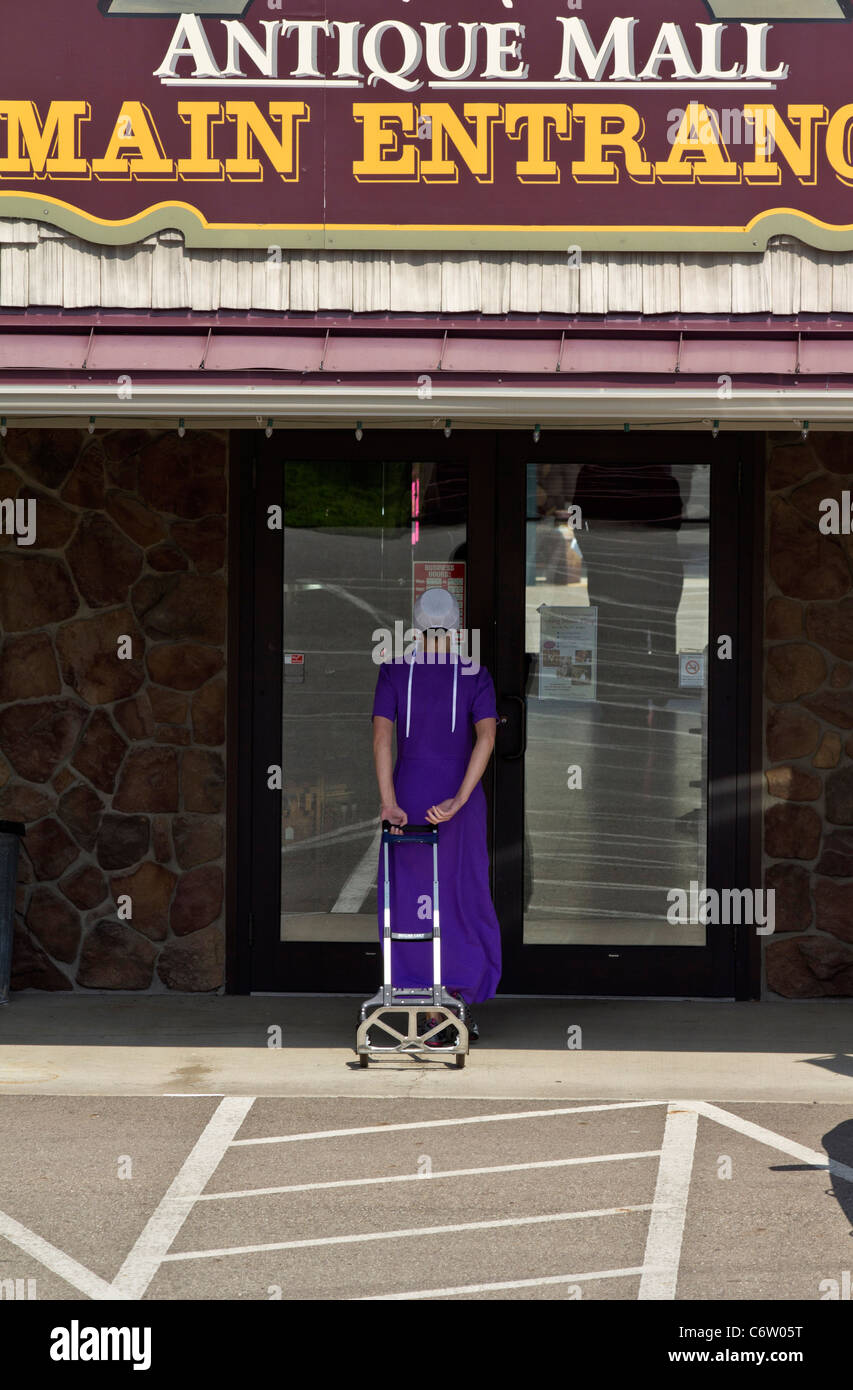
(436, 608)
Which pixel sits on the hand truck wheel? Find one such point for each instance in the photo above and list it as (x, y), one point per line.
(363, 1060)
(460, 1059)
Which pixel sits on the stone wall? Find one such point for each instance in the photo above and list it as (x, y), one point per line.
(808, 822)
(113, 754)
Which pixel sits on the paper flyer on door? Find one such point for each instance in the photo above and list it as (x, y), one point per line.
(568, 657)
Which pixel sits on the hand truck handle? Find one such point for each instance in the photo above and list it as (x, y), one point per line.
(411, 829)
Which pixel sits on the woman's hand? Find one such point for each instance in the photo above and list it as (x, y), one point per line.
(444, 811)
(396, 815)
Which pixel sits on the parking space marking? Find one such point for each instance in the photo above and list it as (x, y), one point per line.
(56, 1260)
(761, 1135)
(175, 1206)
(407, 1234)
(658, 1274)
(669, 1208)
(444, 1124)
(587, 1277)
(419, 1177)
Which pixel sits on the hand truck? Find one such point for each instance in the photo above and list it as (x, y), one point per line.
(390, 1000)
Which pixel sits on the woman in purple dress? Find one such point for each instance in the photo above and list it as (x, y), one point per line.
(446, 719)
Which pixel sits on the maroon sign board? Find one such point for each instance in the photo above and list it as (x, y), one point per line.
(482, 124)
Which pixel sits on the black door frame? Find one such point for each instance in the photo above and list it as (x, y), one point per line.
(255, 959)
(726, 968)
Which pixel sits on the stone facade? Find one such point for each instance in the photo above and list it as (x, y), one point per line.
(112, 750)
(113, 754)
(808, 819)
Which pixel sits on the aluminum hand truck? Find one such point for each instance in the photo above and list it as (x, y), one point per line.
(390, 1000)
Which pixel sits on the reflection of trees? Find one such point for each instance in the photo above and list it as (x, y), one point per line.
(444, 494)
(339, 494)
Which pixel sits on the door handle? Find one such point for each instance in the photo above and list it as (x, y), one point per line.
(522, 703)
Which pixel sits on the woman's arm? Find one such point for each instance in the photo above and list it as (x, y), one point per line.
(486, 730)
(383, 730)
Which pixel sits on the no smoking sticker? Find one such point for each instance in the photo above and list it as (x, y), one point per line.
(691, 669)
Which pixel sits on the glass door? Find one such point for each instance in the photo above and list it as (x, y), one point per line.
(618, 554)
(365, 525)
(600, 574)
(360, 536)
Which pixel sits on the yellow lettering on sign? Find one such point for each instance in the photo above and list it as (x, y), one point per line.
(771, 134)
(60, 134)
(540, 121)
(135, 149)
(384, 123)
(698, 153)
(446, 129)
(200, 116)
(838, 143)
(608, 128)
(282, 153)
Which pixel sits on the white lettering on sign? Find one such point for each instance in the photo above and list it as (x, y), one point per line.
(346, 52)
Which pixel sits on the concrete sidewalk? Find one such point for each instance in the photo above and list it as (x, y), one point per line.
(159, 1045)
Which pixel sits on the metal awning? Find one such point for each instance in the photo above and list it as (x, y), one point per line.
(391, 370)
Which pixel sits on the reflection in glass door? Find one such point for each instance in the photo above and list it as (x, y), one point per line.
(616, 641)
(599, 571)
(359, 536)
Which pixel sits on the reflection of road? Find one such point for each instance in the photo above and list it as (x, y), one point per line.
(343, 863)
(602, 856)
(361, 880)
(340, 588)
(691, 624)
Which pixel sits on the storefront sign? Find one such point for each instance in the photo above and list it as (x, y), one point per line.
(704, 124)
(568, 653)
(440, 574)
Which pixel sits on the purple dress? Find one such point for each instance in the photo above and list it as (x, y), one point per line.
(436, 706)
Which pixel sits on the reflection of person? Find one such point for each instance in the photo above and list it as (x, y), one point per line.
(439, 708)
(635, 575)
(550, 552)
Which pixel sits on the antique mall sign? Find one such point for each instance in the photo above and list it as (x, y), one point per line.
(701, 124)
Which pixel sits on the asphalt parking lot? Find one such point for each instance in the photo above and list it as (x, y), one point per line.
(230, 1197)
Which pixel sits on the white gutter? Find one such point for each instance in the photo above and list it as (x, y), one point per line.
(246, 405)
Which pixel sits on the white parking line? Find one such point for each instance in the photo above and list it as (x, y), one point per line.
(362, 878)
(587, 1276)
(666, 1227)
(420, 1177)
(761, 1135)
(445, 1124)
(405, 1235)
(56, 1260)
(175, 1206)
